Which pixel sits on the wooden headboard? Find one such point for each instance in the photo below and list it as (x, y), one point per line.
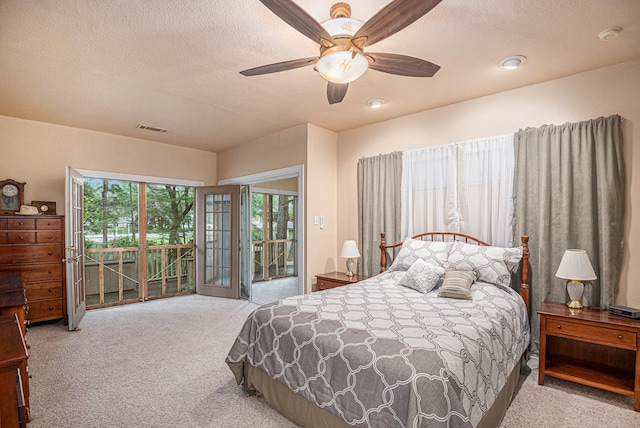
(452, 236)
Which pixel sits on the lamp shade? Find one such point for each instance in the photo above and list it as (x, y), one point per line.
(349, 249)
(575, 265)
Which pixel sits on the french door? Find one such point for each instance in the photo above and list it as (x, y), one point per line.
(218, 241)
(74, 205)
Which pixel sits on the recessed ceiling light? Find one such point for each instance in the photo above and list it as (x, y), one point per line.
(609, 34)
(376, 102)
(512, 62)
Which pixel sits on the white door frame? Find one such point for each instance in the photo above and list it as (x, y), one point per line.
(296, 171)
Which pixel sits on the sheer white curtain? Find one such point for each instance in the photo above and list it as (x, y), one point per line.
(465, 187)
(485, 188)
(428, 191)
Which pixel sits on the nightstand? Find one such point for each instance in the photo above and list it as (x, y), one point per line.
(336, 279)
(591, 347)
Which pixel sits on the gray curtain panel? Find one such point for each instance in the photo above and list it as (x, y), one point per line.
(569, 191)
(379, 180)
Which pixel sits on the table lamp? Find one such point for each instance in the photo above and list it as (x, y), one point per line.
(350, 252)
(575, 267)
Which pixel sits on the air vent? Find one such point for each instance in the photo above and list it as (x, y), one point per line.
(152, 128)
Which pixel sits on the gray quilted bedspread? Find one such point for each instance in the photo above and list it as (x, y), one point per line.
(379, 354)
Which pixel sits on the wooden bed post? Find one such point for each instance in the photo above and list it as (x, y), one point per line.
(524, 284)
(383, 253)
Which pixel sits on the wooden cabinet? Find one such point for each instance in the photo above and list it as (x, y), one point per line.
(13, 305)
(14, 410)
(33, 245)
(329, 280)
(591, 347)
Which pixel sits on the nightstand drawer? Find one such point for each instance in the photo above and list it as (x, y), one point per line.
(591, 333)
(323, 284)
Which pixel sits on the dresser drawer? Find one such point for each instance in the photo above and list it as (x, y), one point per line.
(45, 223)
(21, 223)
(36, 273)
(31, 254)
(44, 310)
(3, 223)
(590, 332)
(49, 237)
(21, 237)
(43, 291)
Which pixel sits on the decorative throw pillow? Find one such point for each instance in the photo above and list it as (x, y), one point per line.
(434, 252)
(491, 264)
(422, 276)
(457, 284)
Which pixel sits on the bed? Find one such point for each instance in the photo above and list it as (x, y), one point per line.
(418, 345)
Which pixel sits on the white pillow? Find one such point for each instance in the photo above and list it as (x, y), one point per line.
(434, 252)
(457, 284)
(491, 264)
(422, 276)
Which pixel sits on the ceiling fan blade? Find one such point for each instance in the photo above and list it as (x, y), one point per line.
(280, 66)
(336, 92)
(394, 17)
(298, 18)
(402, 65)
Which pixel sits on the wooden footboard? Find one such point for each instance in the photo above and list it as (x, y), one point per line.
(452, 236)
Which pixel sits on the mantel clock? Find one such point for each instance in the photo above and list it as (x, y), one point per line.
(12, 194)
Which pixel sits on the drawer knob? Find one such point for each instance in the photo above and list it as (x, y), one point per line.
(619, 336)
(50, 252)
(51, 290)
(22, 238)
(559, 326)
(50, 308)
(50, 271)
(49, 237)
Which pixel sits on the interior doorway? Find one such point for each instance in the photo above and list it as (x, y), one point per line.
(274, 240)
(272, 244)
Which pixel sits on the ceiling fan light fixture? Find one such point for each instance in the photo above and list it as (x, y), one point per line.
(342, 27)
(342, 66)
(512, 62)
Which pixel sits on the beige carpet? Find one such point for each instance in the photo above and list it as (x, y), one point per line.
(161, 364)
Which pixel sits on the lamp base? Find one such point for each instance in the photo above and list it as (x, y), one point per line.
(575, 304)
(350, 265)
(575, 289)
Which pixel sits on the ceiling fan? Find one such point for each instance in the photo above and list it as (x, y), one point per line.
(342, 40)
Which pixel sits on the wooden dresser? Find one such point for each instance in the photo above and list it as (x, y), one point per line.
(33, 245)
(14, 404)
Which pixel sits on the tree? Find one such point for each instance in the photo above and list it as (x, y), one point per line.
(170, 212)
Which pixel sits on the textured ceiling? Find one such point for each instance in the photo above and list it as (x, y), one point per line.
(111, 65)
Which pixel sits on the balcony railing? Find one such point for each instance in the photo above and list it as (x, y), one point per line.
(273, 259)
(112, 274)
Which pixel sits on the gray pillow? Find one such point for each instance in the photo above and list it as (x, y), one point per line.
(434, 252)
(491, 264)
(422, 276)
(457, 284)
